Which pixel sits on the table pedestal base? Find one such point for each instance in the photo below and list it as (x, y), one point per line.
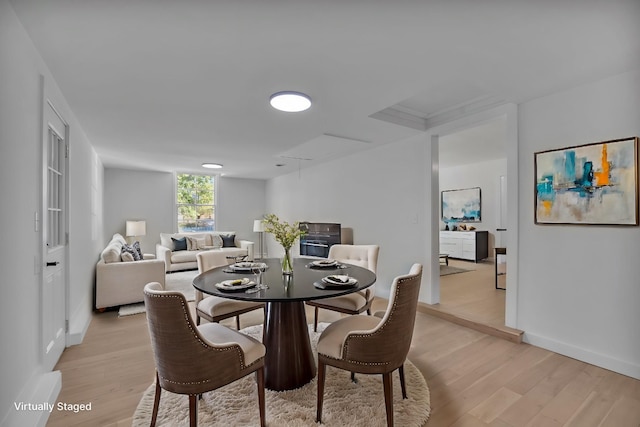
(289, 360)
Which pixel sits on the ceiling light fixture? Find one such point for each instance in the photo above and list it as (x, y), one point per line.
(290, 102)
(212, 165)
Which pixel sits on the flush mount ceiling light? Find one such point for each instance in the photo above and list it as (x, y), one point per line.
(290, 102)
(212, 165)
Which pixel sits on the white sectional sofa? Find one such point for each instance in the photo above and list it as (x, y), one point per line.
(121, 282)
(179, 254)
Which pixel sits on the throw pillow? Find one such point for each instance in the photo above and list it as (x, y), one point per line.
(195, 243)
(136, 246)
(134, 253)
(216, 241)
(126, 257)
(228, 240)
(179, 244)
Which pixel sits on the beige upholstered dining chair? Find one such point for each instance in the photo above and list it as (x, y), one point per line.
(194, 359)
(355, 303)
(373, 345)
(213, 308)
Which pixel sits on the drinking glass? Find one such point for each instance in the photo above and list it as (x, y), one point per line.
(258, 271)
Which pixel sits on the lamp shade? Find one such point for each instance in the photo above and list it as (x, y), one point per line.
(136, 228)
(258, 226)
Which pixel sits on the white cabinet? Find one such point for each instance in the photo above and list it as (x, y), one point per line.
(468, 245)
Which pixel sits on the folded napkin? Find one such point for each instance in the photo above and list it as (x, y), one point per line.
(339, 279)
(232, 284)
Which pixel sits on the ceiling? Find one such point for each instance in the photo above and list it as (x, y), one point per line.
(167, 85)
(481, 143)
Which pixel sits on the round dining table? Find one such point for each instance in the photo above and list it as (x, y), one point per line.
(289, 361)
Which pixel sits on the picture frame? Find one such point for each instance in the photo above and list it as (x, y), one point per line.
(590, 184)
(464, 205)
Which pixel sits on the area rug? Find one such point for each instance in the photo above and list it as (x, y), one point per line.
(445, 270)
(179, 281)
(345, 403)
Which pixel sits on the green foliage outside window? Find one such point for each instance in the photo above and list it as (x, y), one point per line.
(195, 197)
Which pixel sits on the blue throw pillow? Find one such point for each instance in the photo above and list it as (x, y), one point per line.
(179, 244)
(228, 240)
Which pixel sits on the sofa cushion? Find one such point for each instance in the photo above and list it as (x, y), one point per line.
(216, 240)
(111, 253)
(183, 256)
(228, 240)
(179, 244)
(165, 240)
(118, 239)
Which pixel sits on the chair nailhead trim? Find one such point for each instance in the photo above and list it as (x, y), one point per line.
(185, 383)
(235, 348)
(345, 346)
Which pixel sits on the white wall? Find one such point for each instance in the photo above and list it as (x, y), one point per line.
(23, 377)
(149, 196)
(139, 195)
(579, 286)
(485, 175)
(240, 202)
(378, 193)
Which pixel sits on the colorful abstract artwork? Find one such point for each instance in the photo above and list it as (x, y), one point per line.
(461, 205)
(588, 184)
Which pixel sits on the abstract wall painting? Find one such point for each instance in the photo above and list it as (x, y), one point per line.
(595, 184)
(461, 205)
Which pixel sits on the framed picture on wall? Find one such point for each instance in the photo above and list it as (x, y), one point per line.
(591, 184)
(461, 205)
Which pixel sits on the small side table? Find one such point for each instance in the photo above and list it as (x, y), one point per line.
(500, 251)
(444, 258)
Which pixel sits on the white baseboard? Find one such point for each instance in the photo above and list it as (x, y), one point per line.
(78, 326)
(41, 388)
(602, 360)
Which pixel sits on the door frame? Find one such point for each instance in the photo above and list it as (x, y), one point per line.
(431, 291)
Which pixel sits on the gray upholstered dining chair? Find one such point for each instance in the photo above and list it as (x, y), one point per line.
(355, 303)
(373, 345)
(194, 359)
(214, 308)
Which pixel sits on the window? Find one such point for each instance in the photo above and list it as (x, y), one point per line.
(195, 197)
(55, 190)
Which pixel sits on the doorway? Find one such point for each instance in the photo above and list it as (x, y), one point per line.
(475, 157)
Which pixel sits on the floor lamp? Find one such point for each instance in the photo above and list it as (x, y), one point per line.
(258, 227)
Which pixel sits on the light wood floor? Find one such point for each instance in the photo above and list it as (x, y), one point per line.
(474, 379)
(473, 294)
(471, 299)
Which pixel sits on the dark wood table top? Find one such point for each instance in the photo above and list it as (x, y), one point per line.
(283, 288)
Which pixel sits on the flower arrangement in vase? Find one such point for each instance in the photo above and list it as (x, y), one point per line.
(286, 234)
